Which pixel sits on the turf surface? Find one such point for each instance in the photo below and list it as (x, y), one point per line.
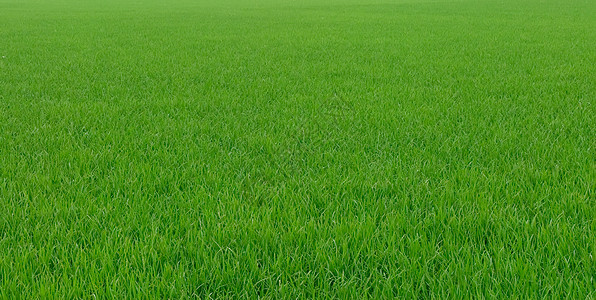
(297, 149)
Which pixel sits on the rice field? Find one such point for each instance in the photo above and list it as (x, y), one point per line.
(297, 149)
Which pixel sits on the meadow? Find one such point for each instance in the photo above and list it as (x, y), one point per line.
(297, 149)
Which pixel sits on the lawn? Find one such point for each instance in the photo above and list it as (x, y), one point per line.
(298, 149)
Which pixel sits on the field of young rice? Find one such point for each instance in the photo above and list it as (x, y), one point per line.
(298, 149)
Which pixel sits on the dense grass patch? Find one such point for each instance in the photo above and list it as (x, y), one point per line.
(340, 148)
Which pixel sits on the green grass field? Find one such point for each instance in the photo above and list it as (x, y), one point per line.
(298, 149)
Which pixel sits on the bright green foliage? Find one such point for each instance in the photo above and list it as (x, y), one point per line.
(298, 149)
